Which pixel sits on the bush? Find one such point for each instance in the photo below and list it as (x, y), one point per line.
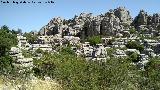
(135, 45)
(67, 50)
(151, 75)
(6, 64)
(110, 52)
(94, 40)
(30, 37)
(78, 74)
(7, 40)
(134, 57)
(132, 31)
(75, 73)
(27, 54)
(39, 50)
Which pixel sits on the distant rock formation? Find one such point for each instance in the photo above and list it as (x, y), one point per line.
(123, 15)
(141, 19)
(156, 18)
(109, 24)
(55, 26)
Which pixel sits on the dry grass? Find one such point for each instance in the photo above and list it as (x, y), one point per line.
(29, 85)
(43, 85)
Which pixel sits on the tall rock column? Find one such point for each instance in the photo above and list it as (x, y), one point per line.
(110, 24)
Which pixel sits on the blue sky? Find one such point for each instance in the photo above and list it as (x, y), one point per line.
(34, 16)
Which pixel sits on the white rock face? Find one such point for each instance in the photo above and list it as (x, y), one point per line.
(19, 60)
(123, 15)
(110, 24)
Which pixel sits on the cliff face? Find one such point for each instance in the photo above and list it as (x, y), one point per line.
(108, 24)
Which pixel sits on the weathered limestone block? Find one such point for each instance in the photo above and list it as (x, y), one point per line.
(156, 18)
(123, 15)
(110, 24)
(141, 19)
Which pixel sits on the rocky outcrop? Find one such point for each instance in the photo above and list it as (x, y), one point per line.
(95, 26)
(156, 22)
(141, 19)
(116, 21)
(149, 23)
(53, 27)
(109, 24)
(123, 15)
(156, 18)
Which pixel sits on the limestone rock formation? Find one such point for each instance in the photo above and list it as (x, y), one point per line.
(124, 15)
(96, 22)
(156, 21)
(156, 18)
(116, 21)
(110, 24)
(141, 19)
(53, 27)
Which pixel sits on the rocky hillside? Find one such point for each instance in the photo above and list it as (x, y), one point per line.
(109, 24)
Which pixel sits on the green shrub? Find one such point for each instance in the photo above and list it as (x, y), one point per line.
(75, 73)
(7, 40)
(39, 50)
(94, 40)
(134, 57)
(30, 37)
(67, 50)
(132, 31)
(27, 54)
(135, 45)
